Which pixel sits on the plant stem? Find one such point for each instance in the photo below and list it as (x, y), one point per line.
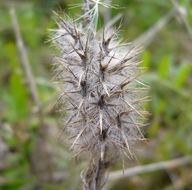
(94, 178)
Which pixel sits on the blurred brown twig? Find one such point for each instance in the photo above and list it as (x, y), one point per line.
(40, 164)
(150, 168)
(183, 15)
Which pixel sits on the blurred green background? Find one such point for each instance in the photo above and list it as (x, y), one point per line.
(33, 156)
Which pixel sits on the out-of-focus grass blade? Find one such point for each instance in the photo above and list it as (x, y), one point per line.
(17, 95)
(182, 75)
(163, 69)
(146, 59)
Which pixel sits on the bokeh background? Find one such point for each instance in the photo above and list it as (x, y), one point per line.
(32, 152)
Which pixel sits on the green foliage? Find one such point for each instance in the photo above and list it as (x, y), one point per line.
(182, 75)
(16, 95)
(146, 60)
(163, 69)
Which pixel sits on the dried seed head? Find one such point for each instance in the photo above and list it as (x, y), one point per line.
(99, 82)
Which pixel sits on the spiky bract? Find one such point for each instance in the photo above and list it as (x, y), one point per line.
(100, 89)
